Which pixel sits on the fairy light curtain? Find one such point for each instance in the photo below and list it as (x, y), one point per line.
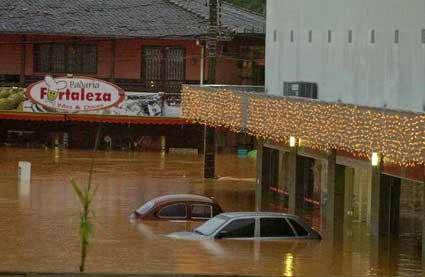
(398, 136)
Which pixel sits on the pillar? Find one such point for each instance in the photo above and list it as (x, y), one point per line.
(209, 152)
(349, 194)
(362, 179)
(259, 167)
(385, 205)
(384, 219)
(295, 184)
(334, 210)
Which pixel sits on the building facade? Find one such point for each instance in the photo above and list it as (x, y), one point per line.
(353, 155)
(142, 46)
(139, 45)
(369, 53)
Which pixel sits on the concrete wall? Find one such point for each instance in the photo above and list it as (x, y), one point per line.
(380, 73)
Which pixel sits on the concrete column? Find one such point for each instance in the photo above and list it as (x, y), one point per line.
(362, 179)
(295, 185)
(259, 187)
(384, 220)
(349, 194)
(334, 217)
(385, 205)
(209, 152)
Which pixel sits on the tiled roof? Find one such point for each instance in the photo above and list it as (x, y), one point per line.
(234, 18)
(120, 18)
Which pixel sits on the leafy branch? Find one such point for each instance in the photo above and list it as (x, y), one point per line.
(86, 195)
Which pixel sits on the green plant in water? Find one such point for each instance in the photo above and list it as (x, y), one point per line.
(85, 196)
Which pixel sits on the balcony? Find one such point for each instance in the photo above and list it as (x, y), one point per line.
(398, 136)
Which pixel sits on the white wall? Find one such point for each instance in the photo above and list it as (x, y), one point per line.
(382, 74)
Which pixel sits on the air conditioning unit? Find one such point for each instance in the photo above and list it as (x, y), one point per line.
(300, 89)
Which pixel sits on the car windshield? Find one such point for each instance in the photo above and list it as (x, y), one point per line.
(211, 225)
(146, 207)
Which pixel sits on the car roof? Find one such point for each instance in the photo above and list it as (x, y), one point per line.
(257, 214)
(182, 197)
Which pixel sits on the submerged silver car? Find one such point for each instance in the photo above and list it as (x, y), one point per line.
(251, 225)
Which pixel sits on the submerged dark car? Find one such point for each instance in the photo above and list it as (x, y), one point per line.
(251, 225)
(178, 207)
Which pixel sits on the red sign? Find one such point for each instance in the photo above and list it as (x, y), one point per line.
(75, 94)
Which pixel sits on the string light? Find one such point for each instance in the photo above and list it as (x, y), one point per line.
(292, 141)
(220, 109)
(398, 136)
(375, 159)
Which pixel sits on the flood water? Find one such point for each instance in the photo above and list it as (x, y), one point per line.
(39, 222)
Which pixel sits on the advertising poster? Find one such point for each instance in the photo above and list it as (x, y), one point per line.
(84, 95)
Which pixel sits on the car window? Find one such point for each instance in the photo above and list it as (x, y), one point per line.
(201, 211)
(146, 207)
(298, 228)
(173, 211)
(211, 225)
(239, 228)
(275, 227)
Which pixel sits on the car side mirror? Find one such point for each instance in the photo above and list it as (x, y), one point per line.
(221, 234)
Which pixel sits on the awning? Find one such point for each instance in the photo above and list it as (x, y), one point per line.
(7, 115)
(31, 116)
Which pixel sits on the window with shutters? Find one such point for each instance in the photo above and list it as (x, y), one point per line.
(163, 64)
(65, 58)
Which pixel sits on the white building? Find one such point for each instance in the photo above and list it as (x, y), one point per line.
(366, 52)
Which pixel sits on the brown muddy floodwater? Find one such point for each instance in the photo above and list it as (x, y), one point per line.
(39, 222)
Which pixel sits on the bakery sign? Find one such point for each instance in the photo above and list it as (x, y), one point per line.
(75, 94)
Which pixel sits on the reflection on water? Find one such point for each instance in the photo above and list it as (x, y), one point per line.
(39, 222)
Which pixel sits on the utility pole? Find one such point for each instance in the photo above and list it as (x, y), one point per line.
(213, 32)
(209, 132)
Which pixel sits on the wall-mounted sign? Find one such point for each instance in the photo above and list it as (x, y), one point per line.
(75, 94)
(82, 95)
